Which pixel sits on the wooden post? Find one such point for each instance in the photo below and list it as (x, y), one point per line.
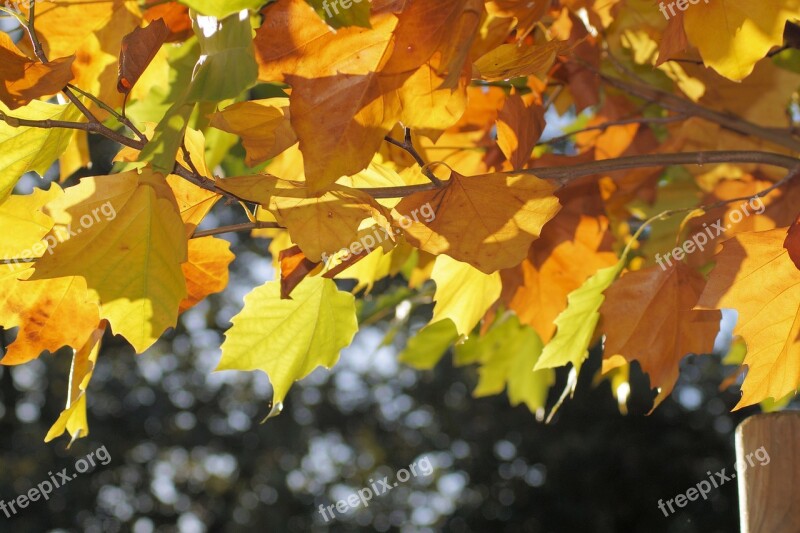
(768, 461)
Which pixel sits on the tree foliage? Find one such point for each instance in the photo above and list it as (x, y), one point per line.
(409, 140)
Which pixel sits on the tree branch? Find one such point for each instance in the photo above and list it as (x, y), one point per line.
(567, 173)
(687, 107)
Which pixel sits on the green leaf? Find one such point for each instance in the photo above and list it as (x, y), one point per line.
(342, 13)
(25, 149)
(507, 354)
(288, 339)
(226, 67)
(428, 346)
(576, 323)
(227, 64)
(222, 9)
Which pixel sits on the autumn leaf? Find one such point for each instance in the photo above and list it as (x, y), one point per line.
(263, 125)
(288, 339)
(733, 35)
(205, 270)
(576, 324)
(138, 49)
(572, 247)
(507, 354)
(487, 221)
(463, 293)
(72, 419)
(24, 149)
(755, 276)
(519, 127)
(126, 238)
(648, 317)
(320, 223)
(23, 80)
(513, 60)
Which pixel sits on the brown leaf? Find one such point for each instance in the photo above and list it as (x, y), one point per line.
(792, 242)
(138, 49)
(648, 317)
(23, 80)
(673, 40)
(519, 127)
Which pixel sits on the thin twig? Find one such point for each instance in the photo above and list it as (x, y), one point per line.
(125, 121)
(408, 145)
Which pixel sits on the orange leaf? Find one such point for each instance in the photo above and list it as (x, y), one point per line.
(487, 221)
(205, 270)
(295, 266)
(23, 80)
(50, 314)
(175, 16)
(573, 246)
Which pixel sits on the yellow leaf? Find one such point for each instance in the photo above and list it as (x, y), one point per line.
(129, 243)
(73, 419)
(263, 125)
(755, 276)
(733, 35)
(463, 293)
(23, 149)
(514, 61)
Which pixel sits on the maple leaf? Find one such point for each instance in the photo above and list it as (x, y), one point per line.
(519, 127)
(572, 247)
(512, 61)
(205, 269)
(577, 323)
(474, 222)
(288, 339)
(648, 317)
(755, 276)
